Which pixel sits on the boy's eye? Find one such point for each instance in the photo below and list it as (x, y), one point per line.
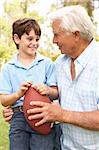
(30, 39)
(37, 39)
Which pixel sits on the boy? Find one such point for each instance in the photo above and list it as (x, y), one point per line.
(26, 68)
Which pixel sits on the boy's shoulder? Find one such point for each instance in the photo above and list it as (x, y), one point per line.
(42, 57)
(10, 62)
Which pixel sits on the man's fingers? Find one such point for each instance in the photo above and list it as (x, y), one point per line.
(35, 110)
(35, 116)
(8, 119)
(40, 122)
(38, 107)
(7, 114)
(38, 103)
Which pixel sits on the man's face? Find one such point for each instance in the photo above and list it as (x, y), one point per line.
(64, 40)
(28, 44)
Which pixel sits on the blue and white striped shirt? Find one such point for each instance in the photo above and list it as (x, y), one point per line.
(81, 94)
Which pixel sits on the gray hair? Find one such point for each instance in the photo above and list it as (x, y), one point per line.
(75, 18)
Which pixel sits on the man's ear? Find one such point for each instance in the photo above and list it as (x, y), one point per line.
(16, 38)
(77, 35)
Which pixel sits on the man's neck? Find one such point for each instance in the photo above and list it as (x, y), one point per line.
(80, 48)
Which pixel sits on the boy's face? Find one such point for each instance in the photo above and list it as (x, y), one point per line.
(28, 44)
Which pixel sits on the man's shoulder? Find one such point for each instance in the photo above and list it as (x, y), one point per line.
(61, 58)
(96, 48)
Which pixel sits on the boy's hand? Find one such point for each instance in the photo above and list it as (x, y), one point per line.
(24, 87)
(41, 88)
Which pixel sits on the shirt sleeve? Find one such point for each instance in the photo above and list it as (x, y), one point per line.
(5, 83)
(50, 73)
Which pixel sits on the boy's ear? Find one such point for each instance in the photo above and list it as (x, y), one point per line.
(16, 38)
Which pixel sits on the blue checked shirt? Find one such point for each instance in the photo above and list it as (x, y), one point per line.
(81, 94)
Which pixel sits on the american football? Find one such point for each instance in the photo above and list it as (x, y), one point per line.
(33, 95)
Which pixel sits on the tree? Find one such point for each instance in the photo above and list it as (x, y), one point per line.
(12, 11)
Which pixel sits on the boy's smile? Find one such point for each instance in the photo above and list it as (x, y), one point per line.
(28, 44)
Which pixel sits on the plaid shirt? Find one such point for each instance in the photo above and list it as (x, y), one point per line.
(81, 94)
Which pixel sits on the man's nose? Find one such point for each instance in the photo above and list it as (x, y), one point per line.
(54, 41)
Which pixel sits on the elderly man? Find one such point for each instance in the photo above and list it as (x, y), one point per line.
(77, 71)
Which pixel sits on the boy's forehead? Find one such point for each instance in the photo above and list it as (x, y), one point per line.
(31, 33)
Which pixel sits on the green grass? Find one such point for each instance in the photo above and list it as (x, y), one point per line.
(4, 129)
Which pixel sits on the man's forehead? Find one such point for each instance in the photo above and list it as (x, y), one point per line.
(56, 25)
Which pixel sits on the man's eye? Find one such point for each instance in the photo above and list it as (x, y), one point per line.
(55, 35)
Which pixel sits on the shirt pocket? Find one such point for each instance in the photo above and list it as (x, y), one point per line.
(86, 95)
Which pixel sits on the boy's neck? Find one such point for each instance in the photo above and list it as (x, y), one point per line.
(26, 60)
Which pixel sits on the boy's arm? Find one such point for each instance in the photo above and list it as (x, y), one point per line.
(52, 92)
(9, 99)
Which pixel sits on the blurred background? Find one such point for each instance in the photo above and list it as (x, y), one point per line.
(10, 10)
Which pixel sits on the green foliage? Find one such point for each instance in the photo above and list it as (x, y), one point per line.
(88, 4)
(4, 128)
(5, 27)
(51, 54)
(13, 10)
(17, 5)
(6, 52)
(97, 38)
(17, 9)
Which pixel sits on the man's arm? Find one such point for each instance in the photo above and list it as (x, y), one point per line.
(88, 120)
(54, 112)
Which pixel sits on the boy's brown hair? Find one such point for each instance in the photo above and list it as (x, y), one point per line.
(25, 25)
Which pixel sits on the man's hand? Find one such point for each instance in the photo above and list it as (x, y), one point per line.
(7, 113)
(48, 112)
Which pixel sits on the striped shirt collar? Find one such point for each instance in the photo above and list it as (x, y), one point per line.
(87, 54)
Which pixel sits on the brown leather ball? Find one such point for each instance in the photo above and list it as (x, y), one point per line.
(33, 95)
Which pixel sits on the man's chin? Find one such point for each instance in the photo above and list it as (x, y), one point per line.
(62, 51)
